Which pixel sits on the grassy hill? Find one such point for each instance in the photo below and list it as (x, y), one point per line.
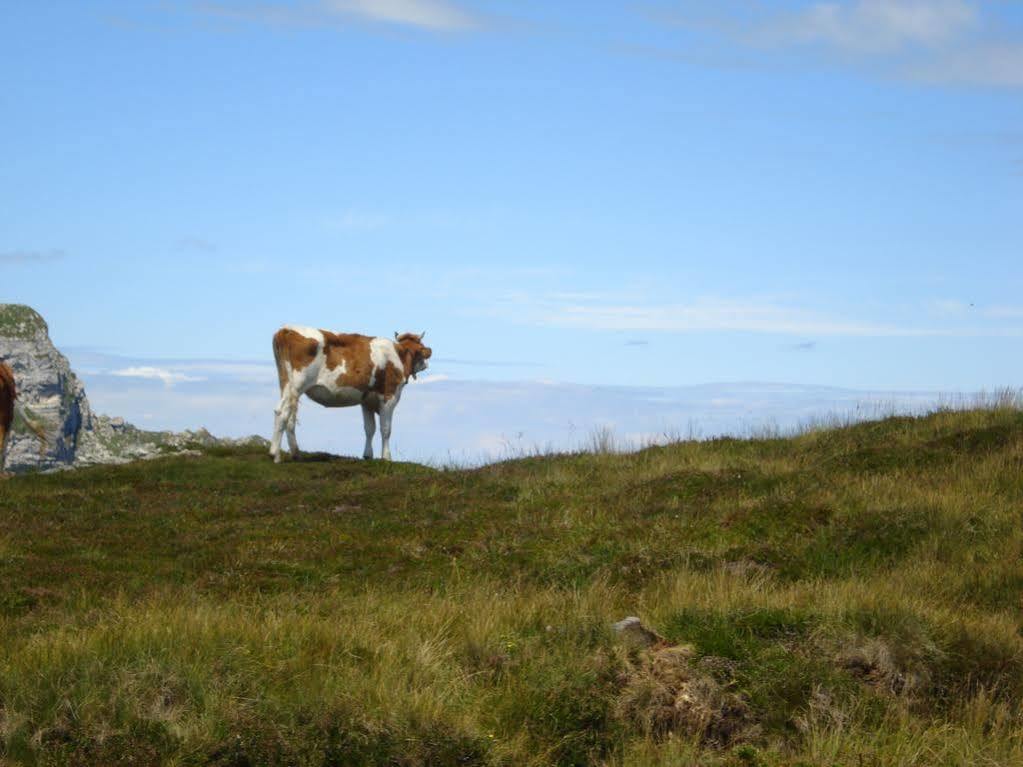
(844, 597)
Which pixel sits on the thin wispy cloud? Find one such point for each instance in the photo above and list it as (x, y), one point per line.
(488, 363)
(873, 26)
(30, 256)
(168, 377)
(709, 316)
(366, 220)
(433, 379)
(195, 245)
(430, 15)
(229, 369)
(734, 315)
(991, 63)
(1007, 312)
(427, 14)
(271, 14)
(950, 306)
(955, 307)
(699, 315)
(171, 371)
(952, 42)
(805, 346)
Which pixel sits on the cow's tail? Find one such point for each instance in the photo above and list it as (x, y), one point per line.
(280, 359)
(24, 416)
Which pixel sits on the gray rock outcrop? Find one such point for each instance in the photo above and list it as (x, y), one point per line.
(55, 396)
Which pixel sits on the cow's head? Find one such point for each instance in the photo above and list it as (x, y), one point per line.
(414, 354)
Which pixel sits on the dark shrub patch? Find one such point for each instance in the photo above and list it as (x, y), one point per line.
(692, 491)
(972, 442)
(862, 539)
(570, 706)
(735, 635)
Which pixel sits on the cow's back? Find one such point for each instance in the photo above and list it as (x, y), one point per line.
(348, 359)
(296, 346)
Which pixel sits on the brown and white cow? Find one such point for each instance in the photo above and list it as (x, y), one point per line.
(7, 395)
(343, 370)
(8, 408)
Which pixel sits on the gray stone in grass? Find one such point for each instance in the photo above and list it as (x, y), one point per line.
(632, 631)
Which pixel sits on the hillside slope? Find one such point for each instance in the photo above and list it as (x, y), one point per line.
(845, 597)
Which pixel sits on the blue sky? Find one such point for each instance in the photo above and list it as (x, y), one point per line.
(599, 193)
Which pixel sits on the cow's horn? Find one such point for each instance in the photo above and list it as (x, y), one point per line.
(422, 335)
(395, 335)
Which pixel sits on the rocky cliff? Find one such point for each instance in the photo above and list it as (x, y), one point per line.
(55, 396)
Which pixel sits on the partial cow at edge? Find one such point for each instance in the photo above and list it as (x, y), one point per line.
(343, 370)
(10, 410)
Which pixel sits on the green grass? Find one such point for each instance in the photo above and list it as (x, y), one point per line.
(854, 595)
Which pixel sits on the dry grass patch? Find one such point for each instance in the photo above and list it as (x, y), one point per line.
(665, 693)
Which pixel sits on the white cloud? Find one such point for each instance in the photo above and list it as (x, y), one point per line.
(956, 42)
(990, 63)
(269, 13)
(251, 372)
(749, 315)
(196, 245)
(30, 256)
(172, 371)
(701, 315)
(949, 306)
(875, 26)
(431, 379)
(168, 377)
(1006, 312)
(433, 15)
(996, 312)
(427, 14)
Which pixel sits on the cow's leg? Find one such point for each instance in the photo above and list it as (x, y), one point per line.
(279, 420)
(292, 420)
(369, 423)
(386, 412)
(283, 417)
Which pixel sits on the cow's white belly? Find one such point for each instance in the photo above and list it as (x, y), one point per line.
(341, 396)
